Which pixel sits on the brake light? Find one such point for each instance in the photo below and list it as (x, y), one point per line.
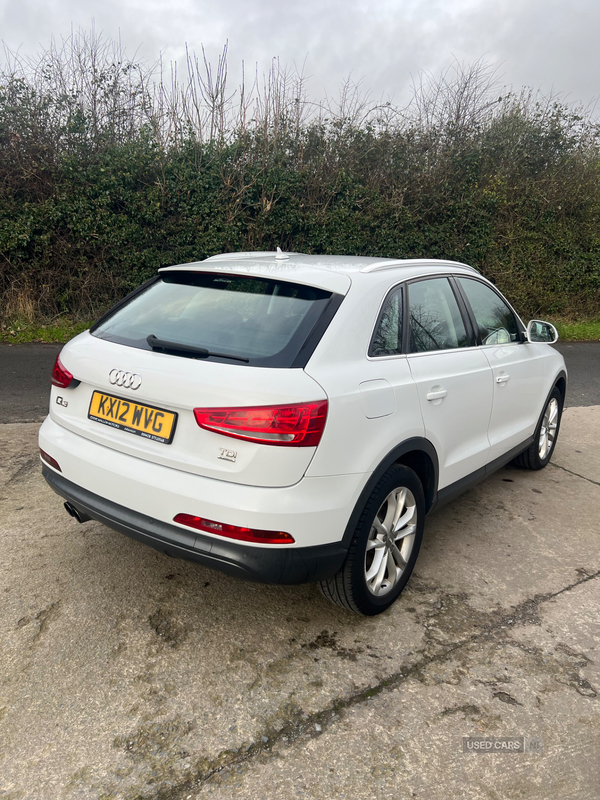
(61, 376)
(298, 425)
(49, 460)
(233, 531)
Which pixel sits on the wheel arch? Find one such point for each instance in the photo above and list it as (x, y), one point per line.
(425, 467)
(529, 457)
(560, 383)
(417, 454)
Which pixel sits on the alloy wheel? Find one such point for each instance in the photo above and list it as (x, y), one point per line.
(548, 429)
(390, 541)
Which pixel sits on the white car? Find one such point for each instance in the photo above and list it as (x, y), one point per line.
(291, 418)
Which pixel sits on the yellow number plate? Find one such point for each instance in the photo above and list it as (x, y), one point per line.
(151, 423)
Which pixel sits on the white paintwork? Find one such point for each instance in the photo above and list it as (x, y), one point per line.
(313, 511)
(451, 398)
(180, 385)
(455, 393)
(523, 376)
(378, 398)
(351, 442)
(273, 268)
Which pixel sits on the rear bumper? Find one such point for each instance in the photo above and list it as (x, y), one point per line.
(315, 511)
(284, 565)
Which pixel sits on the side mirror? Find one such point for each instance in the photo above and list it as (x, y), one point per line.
(539, 331)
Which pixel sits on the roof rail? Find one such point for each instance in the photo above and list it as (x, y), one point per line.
(411, 262)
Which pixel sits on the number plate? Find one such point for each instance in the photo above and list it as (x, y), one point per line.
(147, 421)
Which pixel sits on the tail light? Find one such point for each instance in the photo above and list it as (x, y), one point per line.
(233, 531)
(61, 376)
(298, 425)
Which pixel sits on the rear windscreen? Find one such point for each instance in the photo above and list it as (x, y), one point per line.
(264, 322)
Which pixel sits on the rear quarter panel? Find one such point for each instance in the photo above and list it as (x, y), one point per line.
(356, 441)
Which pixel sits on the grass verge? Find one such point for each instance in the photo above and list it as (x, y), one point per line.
(587, 331)
(60, 330)
(65, 328)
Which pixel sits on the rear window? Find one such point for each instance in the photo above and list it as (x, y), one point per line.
(258, 321)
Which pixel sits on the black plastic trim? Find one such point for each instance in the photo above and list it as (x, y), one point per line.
(561, 375)
(452, 491)
(464, 311)
(316, 334)
(286, 565)
(416, 444)
(405, 319)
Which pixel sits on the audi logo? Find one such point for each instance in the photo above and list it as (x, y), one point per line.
(128, 380)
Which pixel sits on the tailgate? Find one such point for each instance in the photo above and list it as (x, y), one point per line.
(141, 403)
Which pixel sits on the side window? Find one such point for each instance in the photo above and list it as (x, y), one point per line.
(435, 319)
(387, 339)
(495, 320)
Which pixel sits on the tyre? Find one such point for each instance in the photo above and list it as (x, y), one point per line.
(539, 453)
(384, 547)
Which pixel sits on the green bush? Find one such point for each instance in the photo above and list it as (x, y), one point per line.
(104, 179)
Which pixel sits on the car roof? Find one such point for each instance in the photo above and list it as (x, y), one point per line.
(334, 273)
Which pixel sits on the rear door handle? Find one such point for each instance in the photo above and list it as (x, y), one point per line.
(441, 393)
(503, 379)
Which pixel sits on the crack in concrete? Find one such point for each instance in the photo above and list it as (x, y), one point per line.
(589, 577)
(525, 613)
(576, 474)
(504, 697)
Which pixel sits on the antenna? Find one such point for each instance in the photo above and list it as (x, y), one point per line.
(281, 256)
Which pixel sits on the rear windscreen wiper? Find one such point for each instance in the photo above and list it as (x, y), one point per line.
(199, 352)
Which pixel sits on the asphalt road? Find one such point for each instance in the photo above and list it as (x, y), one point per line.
(583, 365)
(25, 381)
(25, 377)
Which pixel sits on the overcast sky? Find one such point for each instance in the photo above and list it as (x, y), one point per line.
(550, 45)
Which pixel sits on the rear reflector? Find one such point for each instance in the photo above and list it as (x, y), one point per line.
(49, 460)
(61, 376)
(233, 532)
(298, 425)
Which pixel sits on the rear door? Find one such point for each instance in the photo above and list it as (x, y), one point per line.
(517, 369)
(453, 379)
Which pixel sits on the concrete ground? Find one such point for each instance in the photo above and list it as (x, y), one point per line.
(127, 675)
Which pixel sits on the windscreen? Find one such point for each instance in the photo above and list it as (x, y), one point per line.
(260, 321)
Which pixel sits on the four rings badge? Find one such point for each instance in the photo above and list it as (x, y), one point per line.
(128, 380)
